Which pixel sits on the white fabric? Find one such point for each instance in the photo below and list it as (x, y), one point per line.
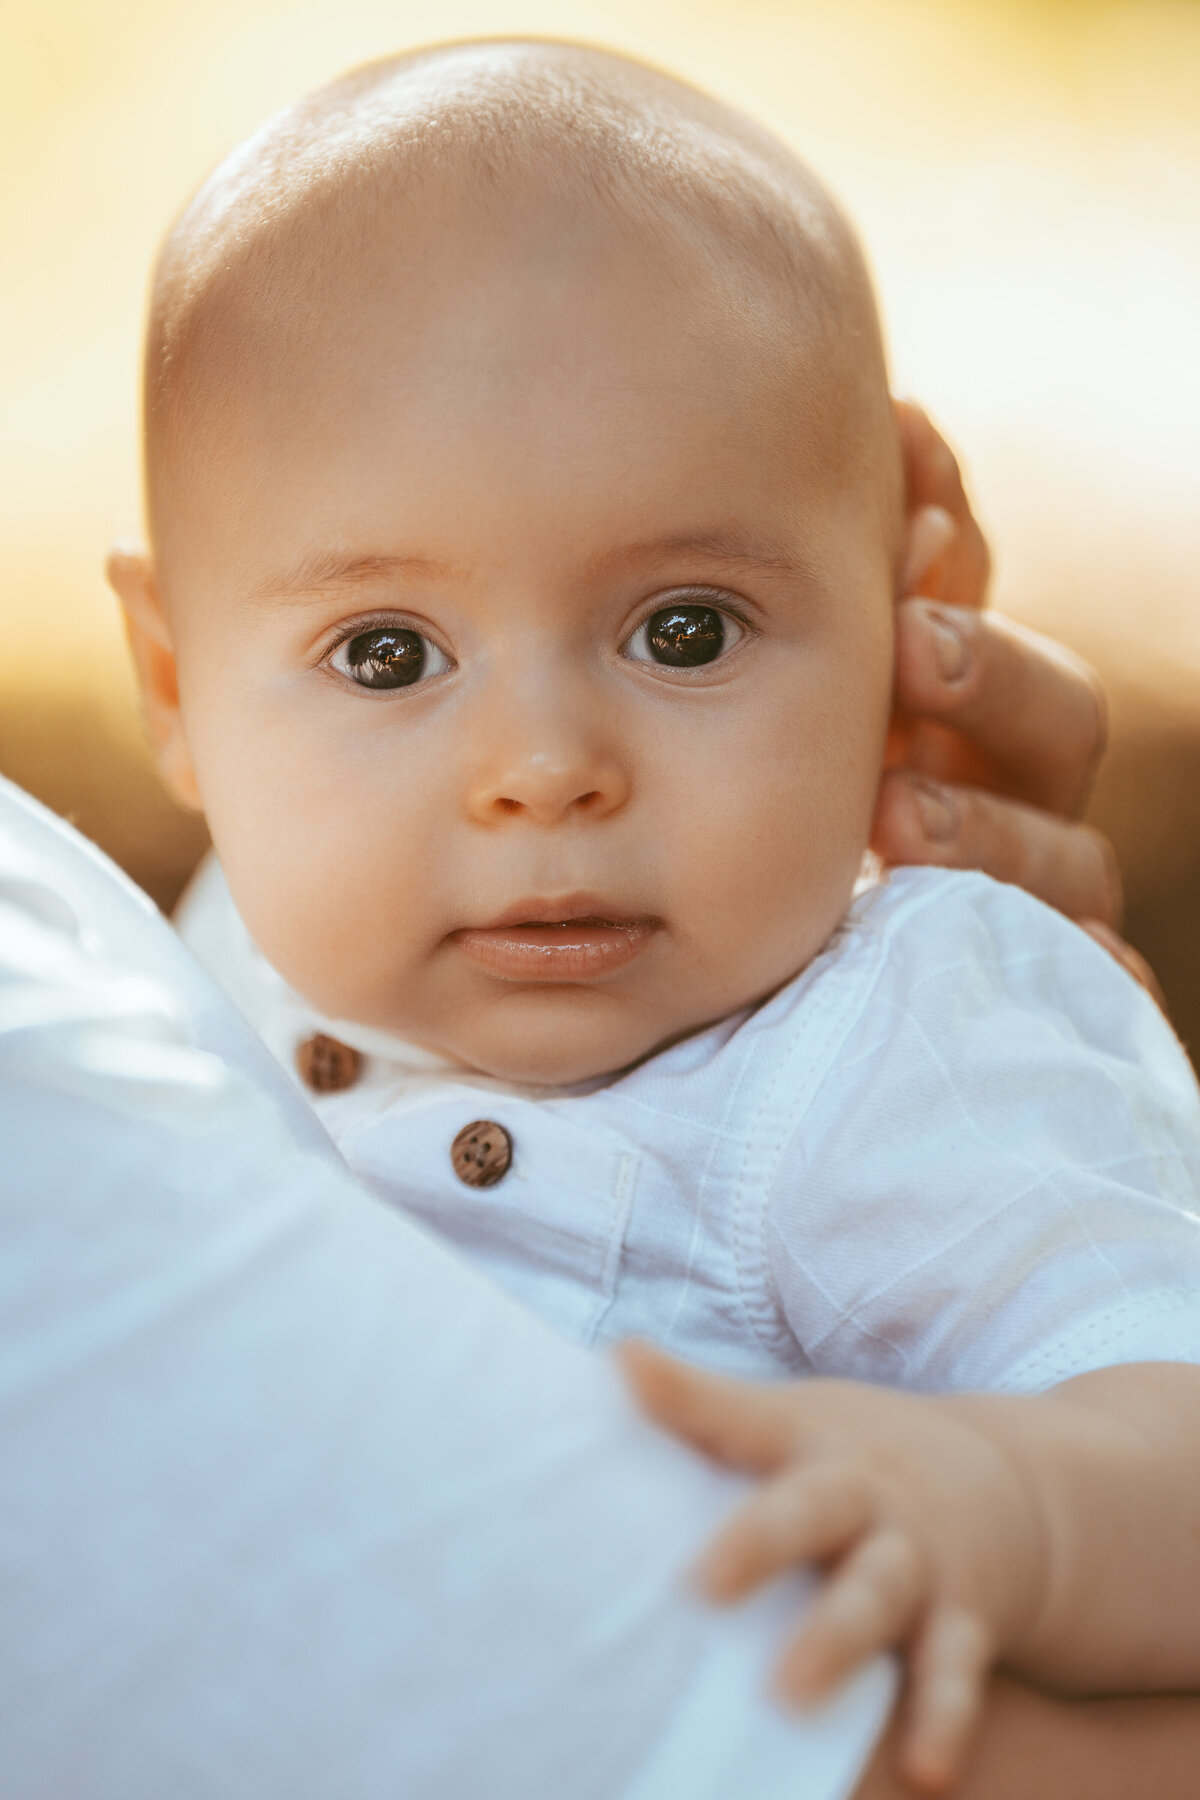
(962, 1150)
(291, 1504)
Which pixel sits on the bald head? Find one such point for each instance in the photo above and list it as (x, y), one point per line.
(550, 146)
(525, 505)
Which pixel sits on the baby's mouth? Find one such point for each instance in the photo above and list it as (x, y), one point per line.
(538, 943)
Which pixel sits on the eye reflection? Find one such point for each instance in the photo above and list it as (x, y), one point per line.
(683, 636)
(388, 656)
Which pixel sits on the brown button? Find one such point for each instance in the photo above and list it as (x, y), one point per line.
(481, 1153)
(327, 1066)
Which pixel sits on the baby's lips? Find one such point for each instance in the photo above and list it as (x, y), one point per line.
(561, 950)
(578, 908)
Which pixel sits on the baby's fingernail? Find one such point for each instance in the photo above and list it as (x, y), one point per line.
(951, 650)
(937, 807)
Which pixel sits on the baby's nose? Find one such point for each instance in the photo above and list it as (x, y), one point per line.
(548, 786)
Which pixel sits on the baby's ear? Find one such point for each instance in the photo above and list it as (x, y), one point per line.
(945, 555)
(131, 576)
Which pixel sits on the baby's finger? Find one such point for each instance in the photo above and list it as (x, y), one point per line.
(868, 1605)
(806, 1514)
(1033, 712)
(1070, 867)
(947, 1671)
(740, 1424)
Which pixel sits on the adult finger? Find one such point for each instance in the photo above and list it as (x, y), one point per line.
(807, 1514)
(959, 573)
(1032, 711)
(948, 1669)
(1070, 867)
(741, 1424)
(931, 532)
(868, 1605)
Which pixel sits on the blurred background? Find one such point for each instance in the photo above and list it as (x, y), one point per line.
(1026, 174)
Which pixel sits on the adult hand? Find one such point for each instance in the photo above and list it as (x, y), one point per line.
(998, 731)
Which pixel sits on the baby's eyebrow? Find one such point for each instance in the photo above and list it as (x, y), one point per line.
(323, 569)
(731, 547)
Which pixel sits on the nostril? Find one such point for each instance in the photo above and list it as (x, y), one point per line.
(587, 800)
(506, 805)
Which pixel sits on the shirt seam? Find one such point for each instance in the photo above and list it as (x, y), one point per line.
(758, 1293)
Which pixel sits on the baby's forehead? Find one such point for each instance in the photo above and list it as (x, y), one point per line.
(397, 176)
(503, 123)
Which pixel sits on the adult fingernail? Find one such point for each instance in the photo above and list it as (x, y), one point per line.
(951, 651)
(938, 809)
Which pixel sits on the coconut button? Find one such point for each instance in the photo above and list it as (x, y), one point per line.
(481, 1153)
(326, 1065)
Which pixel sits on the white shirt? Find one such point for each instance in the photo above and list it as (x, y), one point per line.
(960, 1151)
(292, 1505)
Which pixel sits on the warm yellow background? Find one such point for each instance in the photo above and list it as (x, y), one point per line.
(1026, 177)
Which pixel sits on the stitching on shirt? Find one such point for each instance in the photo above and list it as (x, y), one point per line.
(740, 1052)
(766, 1316)
(624, 1188)
(1055, 1360)
(700, 1209)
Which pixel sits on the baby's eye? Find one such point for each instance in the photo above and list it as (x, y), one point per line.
(388, 656)
(684, 636)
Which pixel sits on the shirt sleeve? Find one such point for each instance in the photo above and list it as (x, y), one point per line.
(995, 1186)
(294, 1505)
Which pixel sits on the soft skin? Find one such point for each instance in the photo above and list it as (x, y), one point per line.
(522, 455)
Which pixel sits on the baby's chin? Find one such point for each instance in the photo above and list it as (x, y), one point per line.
(554, 1039)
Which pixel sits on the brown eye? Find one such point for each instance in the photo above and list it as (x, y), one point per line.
(683, 637)
(388, 656)
(686, 636)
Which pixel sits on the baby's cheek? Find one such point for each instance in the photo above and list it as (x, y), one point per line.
(292, 829)
(780, 873)
(301, 890)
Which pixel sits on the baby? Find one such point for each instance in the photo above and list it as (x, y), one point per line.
(527, 513)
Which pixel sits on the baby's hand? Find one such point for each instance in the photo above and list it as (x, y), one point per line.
(929, 1537)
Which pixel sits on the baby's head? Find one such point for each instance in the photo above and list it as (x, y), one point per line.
(525, 512)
